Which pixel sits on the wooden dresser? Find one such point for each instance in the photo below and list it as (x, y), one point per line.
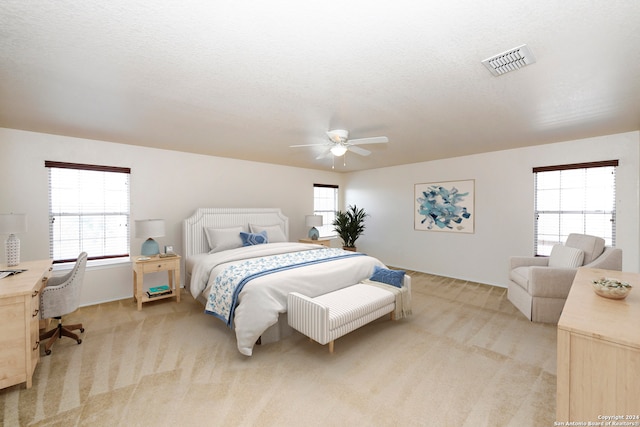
(599, 352)
(19, 313)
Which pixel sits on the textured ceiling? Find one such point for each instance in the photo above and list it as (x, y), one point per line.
(246, 79)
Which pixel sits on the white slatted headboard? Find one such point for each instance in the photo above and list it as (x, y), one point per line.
(194, 240)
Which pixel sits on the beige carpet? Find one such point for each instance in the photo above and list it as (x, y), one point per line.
(466, 357)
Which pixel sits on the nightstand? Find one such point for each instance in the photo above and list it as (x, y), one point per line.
(154, 264)
(323, 242)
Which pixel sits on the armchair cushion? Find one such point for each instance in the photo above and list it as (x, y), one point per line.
(592, 246)
(520, 276)
(547, 282)
(544, 282)
(565, 257)
(527, 261)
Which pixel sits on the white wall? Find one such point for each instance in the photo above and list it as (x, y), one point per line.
(171, 185)
(504, 194)
(164, 184)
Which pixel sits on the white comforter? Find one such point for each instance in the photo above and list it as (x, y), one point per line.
(262, 299)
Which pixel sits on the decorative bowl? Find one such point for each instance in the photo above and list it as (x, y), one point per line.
(611, 288)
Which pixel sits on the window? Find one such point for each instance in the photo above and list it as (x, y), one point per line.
(88, 211)
(578, 198)
(325, 203)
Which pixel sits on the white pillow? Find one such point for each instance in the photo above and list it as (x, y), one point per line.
(565, 257)
(221, 239)
(274, 232)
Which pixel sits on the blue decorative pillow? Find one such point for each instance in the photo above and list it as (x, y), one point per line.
(250, 239)
(390, 277)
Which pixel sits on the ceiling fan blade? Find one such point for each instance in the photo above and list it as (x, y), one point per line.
(372, 140)
(358, 150)
(307, 145)
(324, 155)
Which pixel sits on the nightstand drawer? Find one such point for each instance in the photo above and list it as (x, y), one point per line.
(159, 265)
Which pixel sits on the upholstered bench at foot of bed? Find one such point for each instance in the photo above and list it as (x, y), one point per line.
(328, 317)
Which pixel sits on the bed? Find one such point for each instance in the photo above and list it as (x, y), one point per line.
(214, 256)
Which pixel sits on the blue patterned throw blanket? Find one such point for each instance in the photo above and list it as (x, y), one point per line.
(228, 284)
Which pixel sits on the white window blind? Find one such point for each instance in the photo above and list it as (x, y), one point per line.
(88, 211)
(325, 203)
(578, 198)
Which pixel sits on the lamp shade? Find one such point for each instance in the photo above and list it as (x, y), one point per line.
(13, 223)
(338, 150)
(149, 228)
(313, 220)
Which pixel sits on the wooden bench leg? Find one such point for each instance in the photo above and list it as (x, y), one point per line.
(331, 347)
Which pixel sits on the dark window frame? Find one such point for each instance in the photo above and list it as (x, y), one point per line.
(563, 230)
(327, 215)
(84, 214)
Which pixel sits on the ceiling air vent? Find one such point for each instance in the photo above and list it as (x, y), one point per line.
(510, 60)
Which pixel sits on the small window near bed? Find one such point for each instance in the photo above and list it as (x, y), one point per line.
(325, 203)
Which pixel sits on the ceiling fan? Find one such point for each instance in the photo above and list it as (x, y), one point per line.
(339, 143)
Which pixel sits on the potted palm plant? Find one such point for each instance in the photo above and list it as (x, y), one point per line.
(349, 225)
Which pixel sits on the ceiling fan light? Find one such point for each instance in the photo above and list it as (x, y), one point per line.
(338, 150)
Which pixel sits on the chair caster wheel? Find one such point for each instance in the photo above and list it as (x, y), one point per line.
(79, 341)
(47, 352)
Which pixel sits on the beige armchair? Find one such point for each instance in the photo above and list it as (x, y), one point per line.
(539, 286)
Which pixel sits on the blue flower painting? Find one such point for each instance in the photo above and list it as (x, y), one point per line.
(445, 206)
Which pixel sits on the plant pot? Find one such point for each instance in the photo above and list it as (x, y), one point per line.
(349, 248)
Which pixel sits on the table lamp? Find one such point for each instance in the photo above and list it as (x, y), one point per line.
(150, 228)
(313, 221)
(12, 224)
